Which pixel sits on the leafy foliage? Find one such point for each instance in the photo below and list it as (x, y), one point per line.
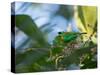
(88, 20)
(26, 24)
(68, 47)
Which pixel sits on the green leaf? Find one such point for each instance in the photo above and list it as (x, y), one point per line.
(27, 25)
(81, 16)
(88, 16)
(28, 58)
(32, 54)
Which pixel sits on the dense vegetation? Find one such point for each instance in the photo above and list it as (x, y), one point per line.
(68, 48)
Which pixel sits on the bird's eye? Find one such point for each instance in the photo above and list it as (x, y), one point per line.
(59, 32)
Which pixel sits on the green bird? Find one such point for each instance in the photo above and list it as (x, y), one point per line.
(63, 39)
(66, 37)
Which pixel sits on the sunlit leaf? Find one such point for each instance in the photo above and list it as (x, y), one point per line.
(81, 15)
(88, 17)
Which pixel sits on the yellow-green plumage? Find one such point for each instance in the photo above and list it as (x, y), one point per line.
(66, 37)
